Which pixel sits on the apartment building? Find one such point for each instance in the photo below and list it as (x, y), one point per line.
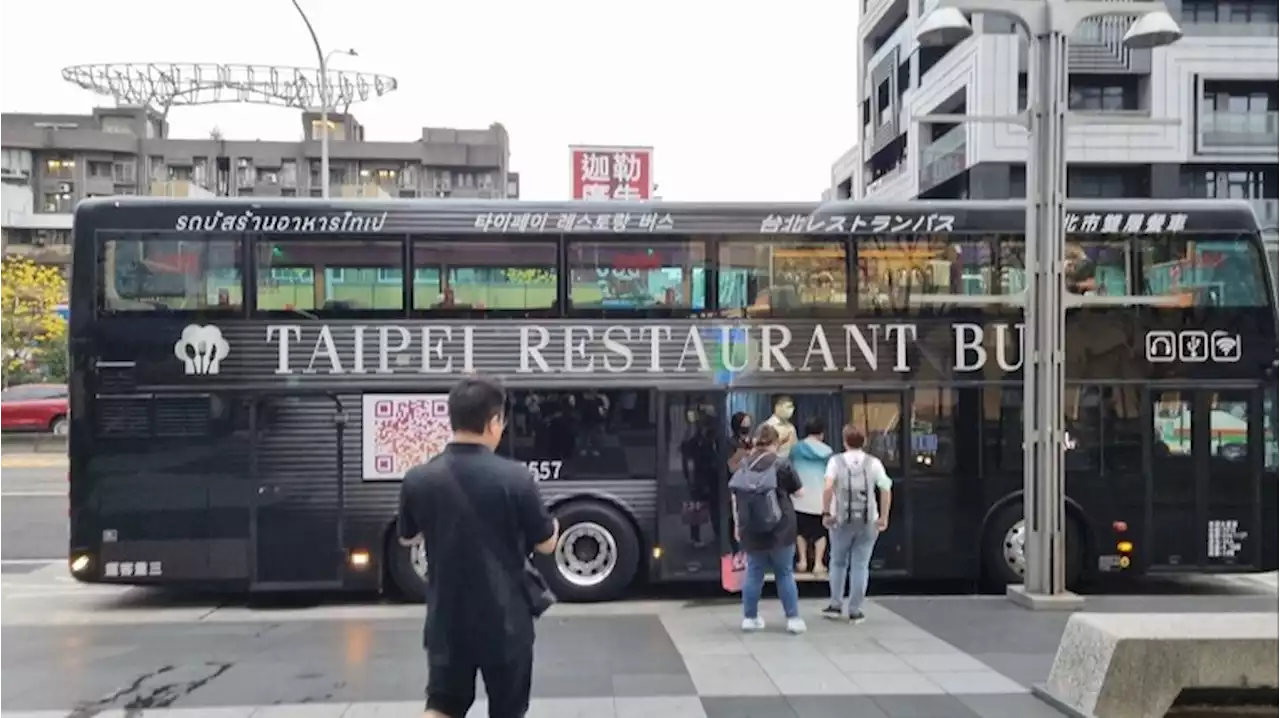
(1219, 80)
(51, 162)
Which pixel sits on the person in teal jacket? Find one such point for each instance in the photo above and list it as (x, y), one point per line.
(809, 457)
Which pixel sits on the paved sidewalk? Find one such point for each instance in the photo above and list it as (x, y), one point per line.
(674, 662)
(78, 651)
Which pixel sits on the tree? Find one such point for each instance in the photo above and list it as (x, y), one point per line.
(33, 337)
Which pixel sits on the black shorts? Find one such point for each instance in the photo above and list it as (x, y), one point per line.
(451, 686)
(809, 526)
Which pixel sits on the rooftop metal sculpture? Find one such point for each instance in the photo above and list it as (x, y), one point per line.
(164, 85)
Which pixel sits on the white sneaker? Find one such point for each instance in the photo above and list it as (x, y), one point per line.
(795, 626)
(751, 625)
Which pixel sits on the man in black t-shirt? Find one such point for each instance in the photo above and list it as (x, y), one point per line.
(479, 515)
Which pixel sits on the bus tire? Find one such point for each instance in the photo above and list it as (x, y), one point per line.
(596, 556)
(1004, 548)
(402, 569)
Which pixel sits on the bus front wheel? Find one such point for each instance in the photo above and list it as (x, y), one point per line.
(596, 556)
(1004, 549)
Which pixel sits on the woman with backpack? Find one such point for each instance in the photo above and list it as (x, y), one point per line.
(764, 520)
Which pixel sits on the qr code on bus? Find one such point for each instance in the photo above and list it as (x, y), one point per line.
(401, 431)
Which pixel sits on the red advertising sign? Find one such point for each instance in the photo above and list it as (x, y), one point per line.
(612, 172)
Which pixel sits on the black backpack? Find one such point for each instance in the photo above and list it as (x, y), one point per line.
(756, 491)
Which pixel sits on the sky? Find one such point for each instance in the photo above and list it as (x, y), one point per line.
(740, 101)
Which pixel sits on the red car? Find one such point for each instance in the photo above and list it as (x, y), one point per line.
(34, 407)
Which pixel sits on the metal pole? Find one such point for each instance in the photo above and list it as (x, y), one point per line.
(324, 103)
(1042, 367)
(324, 128)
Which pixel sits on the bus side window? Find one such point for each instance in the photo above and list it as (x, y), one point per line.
(157, 271)
(1002, 429)
(330, 274)
(661, 275)
(584, 434)
(515, 274)
(765, 276)
(1271, 447)
(1217, 271)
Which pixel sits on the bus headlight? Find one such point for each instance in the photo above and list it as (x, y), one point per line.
(81, 563)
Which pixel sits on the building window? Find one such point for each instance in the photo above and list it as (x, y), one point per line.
(777, 275)
(60, 168)
(332, 276)
(58, 202)
(510, 276)
(145, 272)
(610, 275)
(1224, 183)
(1103, 93)
(100, 170)
(1108, 182)
(1234, 11)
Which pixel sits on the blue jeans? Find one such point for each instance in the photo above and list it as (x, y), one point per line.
(782, 561)
(851, 549)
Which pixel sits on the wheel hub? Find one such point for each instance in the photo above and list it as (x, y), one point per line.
(586, 554)
(1014, 548)
(418, 559)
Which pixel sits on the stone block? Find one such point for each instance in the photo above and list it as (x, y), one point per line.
(1135, 665)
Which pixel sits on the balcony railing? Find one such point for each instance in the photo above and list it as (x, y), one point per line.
(1267, 211)
(364, 190)
(1193, 28)
(1220, 129)
(943, 159)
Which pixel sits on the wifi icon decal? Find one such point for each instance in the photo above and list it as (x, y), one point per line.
(1193, 346)
(1224, 347)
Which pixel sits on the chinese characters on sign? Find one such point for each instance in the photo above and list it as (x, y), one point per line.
(520, 222)
(1120, 223)
(857, 223)
(621, 173)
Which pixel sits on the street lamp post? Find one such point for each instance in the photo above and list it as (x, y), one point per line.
(323, 57)
(1048, 24)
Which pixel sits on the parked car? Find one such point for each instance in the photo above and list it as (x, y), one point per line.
(34, 407)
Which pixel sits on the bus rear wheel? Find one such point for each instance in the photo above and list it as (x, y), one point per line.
(408, 569)
(596, 556)
(1004, 549)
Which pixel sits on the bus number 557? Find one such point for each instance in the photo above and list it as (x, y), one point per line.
(543, 470)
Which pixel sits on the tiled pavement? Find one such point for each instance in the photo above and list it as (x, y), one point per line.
(914, 658)
(675, 662)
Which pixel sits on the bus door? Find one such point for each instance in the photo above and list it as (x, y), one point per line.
(883, 417)
(693, 518)
(1205, 468)
(301, 447)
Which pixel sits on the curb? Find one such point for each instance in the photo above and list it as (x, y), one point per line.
(33, 461)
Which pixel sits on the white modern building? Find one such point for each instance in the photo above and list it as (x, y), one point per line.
(1220, 81)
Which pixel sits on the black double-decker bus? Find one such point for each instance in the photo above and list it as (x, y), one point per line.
(251, 379)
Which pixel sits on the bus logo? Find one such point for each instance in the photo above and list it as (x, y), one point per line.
(201, 349)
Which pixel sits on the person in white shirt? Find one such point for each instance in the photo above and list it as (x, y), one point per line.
(854, 519)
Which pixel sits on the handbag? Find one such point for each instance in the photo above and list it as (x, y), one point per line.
(533, 585)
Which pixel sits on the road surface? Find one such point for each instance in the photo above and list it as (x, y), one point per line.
(33, 502)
